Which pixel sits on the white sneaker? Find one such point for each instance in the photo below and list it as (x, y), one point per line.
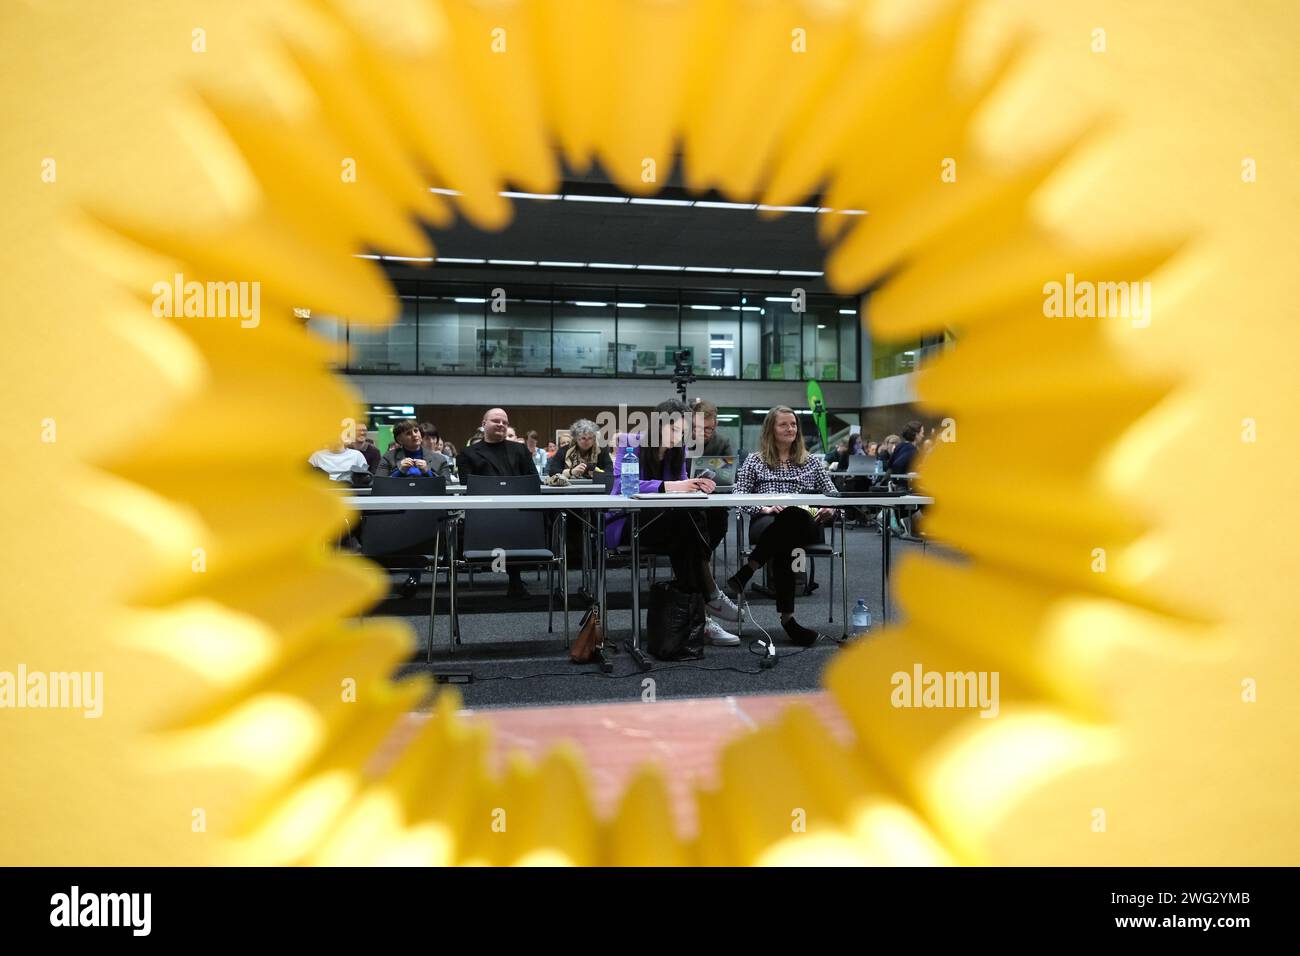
(723, 607)
(715, 635)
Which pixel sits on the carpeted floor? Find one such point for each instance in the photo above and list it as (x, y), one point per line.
(515, 662)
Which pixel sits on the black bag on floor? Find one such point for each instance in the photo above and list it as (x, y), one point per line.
(675, 623)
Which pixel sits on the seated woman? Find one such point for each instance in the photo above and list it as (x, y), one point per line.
(781, 465)
(687, 535)
(583, 456)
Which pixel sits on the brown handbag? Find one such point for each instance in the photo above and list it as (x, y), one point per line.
(591, 637)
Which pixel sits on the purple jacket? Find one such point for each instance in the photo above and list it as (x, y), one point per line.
(614, 520)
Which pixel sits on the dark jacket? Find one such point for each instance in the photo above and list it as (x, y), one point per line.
(514, 459)
(900, 462)
(438, 465)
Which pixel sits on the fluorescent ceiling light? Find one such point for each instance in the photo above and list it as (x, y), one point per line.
(592, 305)
(848, 311)
(631, 305)
(406, 259)
(611, 265)
(707, 308)
(510, 195)
(580, 197)
(852, 212)
(662, 202)
(662, 268)
(470, 301)
(364, 256)
(800, 272)
(821, 326)
(702, 204)
(464, 262)
(767, 208)
(754, 272)
(778, 298)
(446, 192)
(512, 262)
(708, 269)
(562, 265)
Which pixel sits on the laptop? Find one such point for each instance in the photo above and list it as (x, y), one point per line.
(721, 468)
(399, 485)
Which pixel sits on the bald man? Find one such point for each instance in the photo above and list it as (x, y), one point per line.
(498, 457)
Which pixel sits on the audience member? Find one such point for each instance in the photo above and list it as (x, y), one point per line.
(408, 457)
(583, 456)
(539, 454)
(687, 535)
(363, 444)
(709, 441)
(900, 460)
(498, 455)
(339, 462)
(781, 465)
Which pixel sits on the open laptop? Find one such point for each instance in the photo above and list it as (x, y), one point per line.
(721, 468)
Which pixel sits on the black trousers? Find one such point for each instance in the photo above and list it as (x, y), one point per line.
(687, 535)
(773, 539)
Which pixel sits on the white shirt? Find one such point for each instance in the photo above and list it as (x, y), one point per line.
(339, 464)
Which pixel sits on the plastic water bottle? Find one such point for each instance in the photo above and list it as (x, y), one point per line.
(630, 473)
(861, 617)
(880, 467)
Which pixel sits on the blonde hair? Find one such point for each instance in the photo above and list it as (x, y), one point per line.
(767, 439)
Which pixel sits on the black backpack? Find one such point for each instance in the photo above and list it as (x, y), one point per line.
(675, 623)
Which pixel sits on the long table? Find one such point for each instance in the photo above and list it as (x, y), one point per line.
(600, 503)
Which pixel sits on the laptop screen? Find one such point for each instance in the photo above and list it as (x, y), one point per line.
(724, 466)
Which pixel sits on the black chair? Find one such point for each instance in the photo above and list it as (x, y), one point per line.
(513, 536)
(400, 540)
(813, 551)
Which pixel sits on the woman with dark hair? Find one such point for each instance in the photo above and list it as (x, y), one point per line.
(687, 535)
(782, 465)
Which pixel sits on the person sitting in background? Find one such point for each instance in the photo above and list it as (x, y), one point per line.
(408, 459)
(900, 460)
(781, 465)
(538, 453)
(583, 456)
(707, 437)
(687, 535)
(449, 452)
(840, 451)
(512, 435)
(430, 440)
(885, 450)
(339, 462)
(550, 449)
(363, 444)
(497, 455)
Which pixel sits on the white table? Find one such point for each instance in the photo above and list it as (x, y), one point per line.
(584, 501)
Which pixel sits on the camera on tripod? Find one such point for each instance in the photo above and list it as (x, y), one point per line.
(683, 371)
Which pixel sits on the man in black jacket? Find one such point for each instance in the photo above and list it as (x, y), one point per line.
(900, 462)
(494, 455)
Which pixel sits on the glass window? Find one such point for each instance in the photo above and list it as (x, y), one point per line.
(451, 325)
(518, 336)
(584, 330)
(781, 333)
(711, 332)
(333, 331)
(751, 335)
(647, 331)
(821, 340)
(848, 340)
(387, 348)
